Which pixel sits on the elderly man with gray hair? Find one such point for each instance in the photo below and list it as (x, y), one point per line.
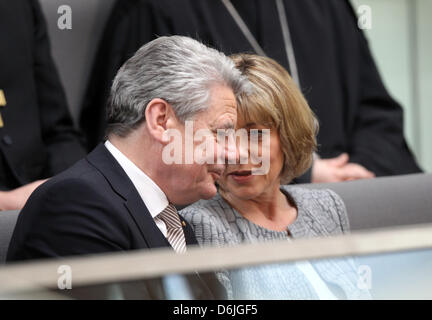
(122, 195)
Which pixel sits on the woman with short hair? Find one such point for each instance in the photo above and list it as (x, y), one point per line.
(253, 207)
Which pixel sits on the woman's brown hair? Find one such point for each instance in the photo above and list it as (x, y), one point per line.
(276, 101)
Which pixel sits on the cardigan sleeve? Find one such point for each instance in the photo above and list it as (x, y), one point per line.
(340, 210)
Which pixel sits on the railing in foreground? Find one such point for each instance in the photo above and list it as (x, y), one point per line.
(133, 265)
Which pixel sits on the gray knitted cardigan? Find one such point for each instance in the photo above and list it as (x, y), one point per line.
(321, 213)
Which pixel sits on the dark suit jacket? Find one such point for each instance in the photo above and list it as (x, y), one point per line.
(38, 139)
(91, 208)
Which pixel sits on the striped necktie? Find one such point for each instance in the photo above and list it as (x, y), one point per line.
(175, 234)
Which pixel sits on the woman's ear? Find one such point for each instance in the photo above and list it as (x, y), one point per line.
(157, 114)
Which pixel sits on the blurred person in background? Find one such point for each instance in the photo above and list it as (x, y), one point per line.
(318, 42)
(252, 207)
(38, 138)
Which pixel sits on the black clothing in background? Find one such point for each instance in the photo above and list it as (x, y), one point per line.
(38, 139)
(337, 73)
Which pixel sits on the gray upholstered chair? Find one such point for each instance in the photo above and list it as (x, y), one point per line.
(384, 202)
(7, 224)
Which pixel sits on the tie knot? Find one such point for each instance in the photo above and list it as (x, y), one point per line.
(171, 218)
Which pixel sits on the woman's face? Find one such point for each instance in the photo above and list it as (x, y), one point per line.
(238, 180)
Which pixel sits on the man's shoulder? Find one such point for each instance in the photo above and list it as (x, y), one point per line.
(75, 212)
(82, 178)
(80, 171)
(79, 193)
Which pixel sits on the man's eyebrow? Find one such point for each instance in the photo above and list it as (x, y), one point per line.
(250, 124)
(226, 125)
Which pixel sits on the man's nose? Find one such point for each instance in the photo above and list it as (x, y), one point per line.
(232, 152)
(227, 152)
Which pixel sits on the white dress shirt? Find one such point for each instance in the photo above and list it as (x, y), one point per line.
(154, 198)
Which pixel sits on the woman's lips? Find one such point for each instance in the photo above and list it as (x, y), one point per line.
(241, 176)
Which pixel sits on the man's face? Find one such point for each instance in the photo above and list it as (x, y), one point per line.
(191, 182)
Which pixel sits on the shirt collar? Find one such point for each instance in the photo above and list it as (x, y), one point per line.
(154, 198)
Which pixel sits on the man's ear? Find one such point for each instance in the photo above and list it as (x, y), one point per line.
(159, 116)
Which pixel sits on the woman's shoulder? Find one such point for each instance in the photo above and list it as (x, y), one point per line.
(321, 205)
(310, 196)
(204, 211)
(211, 220)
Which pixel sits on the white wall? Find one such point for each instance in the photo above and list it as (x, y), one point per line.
(424, 10)
(400, 40)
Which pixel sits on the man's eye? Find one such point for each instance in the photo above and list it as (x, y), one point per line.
(225, 133)
(256, 133)
(221, 134)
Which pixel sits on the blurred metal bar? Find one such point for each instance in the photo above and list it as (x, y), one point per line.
(144, 264)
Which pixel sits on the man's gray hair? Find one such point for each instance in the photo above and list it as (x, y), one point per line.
(177, 69)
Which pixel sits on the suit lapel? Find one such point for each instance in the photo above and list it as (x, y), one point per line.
(102, 160)
(189, 234)
(145, 222)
